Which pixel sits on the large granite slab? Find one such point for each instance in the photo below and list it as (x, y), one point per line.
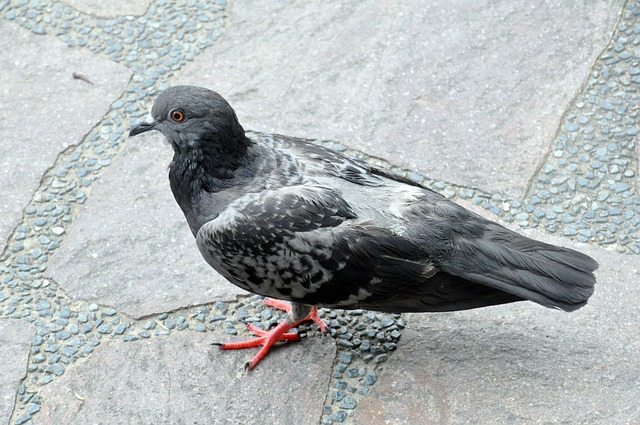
(15, 342)
(130, 246)
(520, 363)
(456, 90)
(45, 110)
(182, 379)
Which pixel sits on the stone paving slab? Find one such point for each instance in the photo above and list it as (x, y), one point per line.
(491, 81)
(130, 246)
(520, 363)
(46, 110)
(439, 87)
(182, 379)
(15, 341)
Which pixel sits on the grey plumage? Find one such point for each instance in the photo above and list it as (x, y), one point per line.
(285, 218)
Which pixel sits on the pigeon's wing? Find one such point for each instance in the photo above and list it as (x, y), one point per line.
(305, 244)
(397, 177)
(385, 272)
(439, 293)
(478, 250)
(273, 242)
(326, 162)
(550, 275)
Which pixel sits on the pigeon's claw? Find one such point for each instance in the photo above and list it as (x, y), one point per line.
(254, 342)
(265, 338)
(261, 332)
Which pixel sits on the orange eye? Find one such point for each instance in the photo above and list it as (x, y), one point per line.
(177, 115)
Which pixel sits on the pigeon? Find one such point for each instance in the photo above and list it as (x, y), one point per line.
(309, 227)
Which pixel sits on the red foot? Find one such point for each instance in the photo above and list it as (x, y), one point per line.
(279, 333)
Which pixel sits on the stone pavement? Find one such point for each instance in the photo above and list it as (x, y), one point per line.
(526, 112)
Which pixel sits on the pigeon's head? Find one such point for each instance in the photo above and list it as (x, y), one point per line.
(194, 118)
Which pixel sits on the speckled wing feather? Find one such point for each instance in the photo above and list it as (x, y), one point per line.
(305, 244)
(271, 242)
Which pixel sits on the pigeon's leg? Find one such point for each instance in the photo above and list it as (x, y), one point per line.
(298, 313)
(285, 306)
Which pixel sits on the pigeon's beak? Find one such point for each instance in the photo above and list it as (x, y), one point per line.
(146, 125)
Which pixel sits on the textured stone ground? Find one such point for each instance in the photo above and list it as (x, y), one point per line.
(160, 386)
(525, 112)
(50, 110)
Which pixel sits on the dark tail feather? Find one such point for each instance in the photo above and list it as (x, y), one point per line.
(549, 275)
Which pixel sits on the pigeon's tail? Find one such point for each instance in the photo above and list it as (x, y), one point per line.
(549, 275)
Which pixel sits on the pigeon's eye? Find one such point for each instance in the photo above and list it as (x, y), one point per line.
(177, 115)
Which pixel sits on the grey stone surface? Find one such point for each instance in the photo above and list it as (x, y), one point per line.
(182, 379)
(520, 363)
(130, 247)
(492, 81)
(455, 90)
(45, 110)
(15, 340)
(110, 8)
